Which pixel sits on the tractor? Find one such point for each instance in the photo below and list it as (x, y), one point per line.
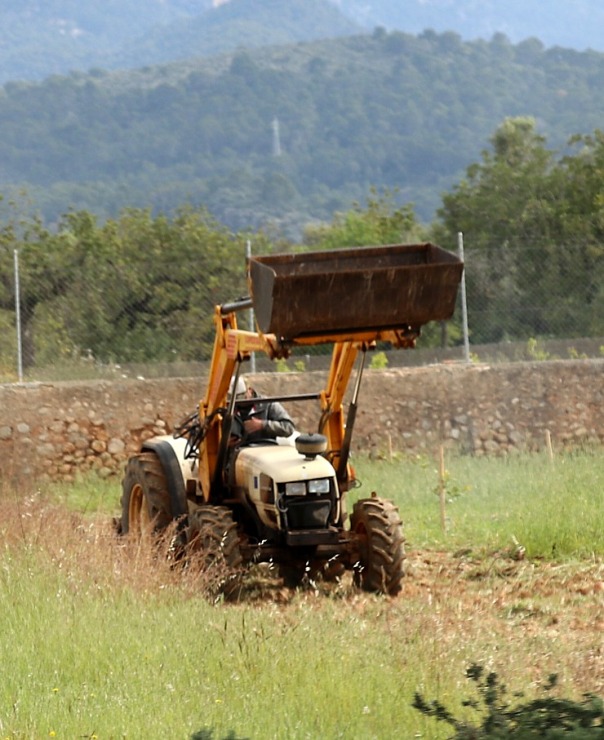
(286, 504)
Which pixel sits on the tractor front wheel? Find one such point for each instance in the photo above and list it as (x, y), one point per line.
(378, 528)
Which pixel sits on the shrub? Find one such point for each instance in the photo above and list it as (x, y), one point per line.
(547, 717)
(379, 361)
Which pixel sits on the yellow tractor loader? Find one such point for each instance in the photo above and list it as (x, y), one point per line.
(287, 504)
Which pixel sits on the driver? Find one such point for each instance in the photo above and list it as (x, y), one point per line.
(262, 419)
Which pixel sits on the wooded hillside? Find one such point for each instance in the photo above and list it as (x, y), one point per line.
(288, 134)
(58, 36)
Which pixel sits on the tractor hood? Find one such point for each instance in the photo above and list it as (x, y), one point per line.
(282, 463)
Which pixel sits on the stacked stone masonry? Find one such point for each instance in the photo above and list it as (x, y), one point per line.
(57, 431)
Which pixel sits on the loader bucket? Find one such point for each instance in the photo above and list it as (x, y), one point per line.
(353, 290)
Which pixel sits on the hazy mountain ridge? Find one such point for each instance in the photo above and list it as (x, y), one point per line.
(244, 23)
(55, 37)
(386, 110)
(38, 40)
(575, 24)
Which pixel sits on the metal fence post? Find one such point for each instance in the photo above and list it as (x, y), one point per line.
(18, 318)
(464, 305)
(248, 254)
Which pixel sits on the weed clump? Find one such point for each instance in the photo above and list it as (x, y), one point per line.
(545, 717)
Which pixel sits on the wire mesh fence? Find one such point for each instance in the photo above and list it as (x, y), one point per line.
(154, 317)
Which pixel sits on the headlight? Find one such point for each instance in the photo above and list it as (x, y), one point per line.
(320, 485)
(298, 488)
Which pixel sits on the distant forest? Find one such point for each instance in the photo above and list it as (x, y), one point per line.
(38, 39)
(286, 136)
(58, 36)
(142, 287)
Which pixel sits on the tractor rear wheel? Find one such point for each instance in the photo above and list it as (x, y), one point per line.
(146, 508)
(213, 534)
(378, 528)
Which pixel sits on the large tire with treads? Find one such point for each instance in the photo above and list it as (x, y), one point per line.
(146, 506)
(378, 528)
(214, 537)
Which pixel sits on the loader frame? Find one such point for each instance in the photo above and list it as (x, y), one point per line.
(391, 290)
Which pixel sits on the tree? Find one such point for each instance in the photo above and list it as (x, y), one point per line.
(581, 236)
(533, 229)
(152, 283)
(136, 288)
(382, 221)
(44, 268)
(506, 208)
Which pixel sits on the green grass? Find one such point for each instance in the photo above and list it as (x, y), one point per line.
(101, 639)
(554, 509)
(89, 495)
(90, 661)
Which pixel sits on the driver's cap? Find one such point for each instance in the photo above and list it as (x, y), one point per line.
(240, 388)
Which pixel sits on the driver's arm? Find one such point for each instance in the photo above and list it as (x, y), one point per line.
(277, 424)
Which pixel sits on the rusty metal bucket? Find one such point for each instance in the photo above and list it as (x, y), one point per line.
(353, 290)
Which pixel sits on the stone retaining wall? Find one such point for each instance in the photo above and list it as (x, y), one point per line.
(55, 430)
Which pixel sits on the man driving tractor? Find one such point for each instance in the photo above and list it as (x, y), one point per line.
(258, 419)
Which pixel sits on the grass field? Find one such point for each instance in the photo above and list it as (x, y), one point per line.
(99, 639)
